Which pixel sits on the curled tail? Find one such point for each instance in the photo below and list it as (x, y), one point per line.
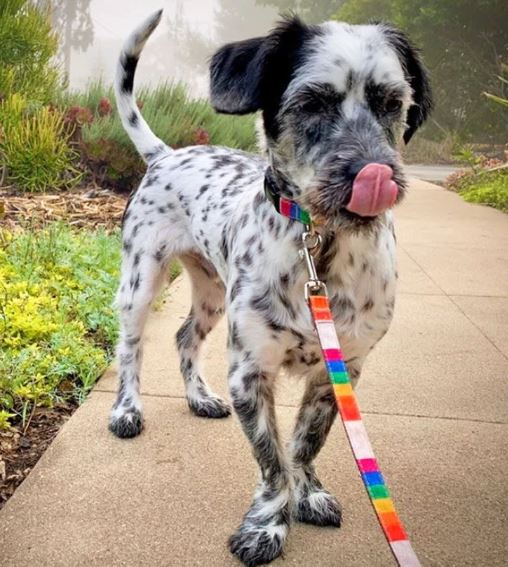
(148, 145)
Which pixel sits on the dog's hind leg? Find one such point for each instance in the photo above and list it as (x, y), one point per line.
(143, 273)
(207, 308)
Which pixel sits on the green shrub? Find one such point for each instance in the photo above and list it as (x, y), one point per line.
(58, 326)
(27, 48)
(57, 323)
(35, 146)
(481, 186)
(171, 114)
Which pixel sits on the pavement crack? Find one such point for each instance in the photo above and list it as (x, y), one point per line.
(480, 330)
(364, 412)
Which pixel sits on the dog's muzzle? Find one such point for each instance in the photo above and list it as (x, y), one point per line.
(374, 190)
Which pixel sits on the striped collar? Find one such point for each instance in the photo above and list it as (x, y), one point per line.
(283, 206)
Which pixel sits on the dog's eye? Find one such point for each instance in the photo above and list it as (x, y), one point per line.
(312, 105)
(393, 105)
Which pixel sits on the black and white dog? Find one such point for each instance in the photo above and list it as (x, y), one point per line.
(335, 99)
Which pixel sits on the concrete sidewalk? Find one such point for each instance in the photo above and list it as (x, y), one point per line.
(435, 399)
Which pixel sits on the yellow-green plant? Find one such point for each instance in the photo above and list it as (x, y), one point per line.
(35, 146)
(27, 49)
(57, 323)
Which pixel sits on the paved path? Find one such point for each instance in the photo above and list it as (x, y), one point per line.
(432, 173)
(435, 399)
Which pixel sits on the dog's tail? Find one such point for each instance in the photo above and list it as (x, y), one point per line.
(148, 145)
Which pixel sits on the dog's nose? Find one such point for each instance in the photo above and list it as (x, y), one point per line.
(374, 190)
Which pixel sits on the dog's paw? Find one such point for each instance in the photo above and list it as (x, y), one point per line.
(320, 508)
(210, 406)
(126, 425)
(258, 545)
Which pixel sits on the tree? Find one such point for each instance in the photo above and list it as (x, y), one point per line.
(464, 44)
(311, 11)
(73, 18)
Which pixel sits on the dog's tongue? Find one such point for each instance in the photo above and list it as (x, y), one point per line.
(374, 191)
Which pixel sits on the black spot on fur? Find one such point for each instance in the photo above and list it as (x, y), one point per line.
(129, 64)
(133, 119)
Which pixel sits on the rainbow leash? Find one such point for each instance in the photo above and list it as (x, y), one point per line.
(317, 298)
(357, 434)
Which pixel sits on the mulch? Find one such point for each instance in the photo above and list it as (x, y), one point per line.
(21, 447)
(90, 207)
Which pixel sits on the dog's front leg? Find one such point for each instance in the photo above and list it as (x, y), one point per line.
(313, 503)
(261, 535)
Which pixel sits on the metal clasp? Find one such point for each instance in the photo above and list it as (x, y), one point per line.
(311, 242)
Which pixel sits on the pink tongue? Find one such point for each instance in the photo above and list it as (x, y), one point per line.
(374, 191)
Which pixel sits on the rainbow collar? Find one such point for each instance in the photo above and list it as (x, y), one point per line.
(283, 206)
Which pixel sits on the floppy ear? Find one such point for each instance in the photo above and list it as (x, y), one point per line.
(252, 75)
(418, 78)
(235, 76)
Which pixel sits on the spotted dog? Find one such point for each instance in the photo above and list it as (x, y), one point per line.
(335, 100)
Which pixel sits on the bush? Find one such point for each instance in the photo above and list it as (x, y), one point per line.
(481, 185)
(171, 114)
(28, 46)
(35, 145)
(57, 323)
(421, 150)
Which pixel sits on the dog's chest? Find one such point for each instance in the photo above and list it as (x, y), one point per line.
(360, 276)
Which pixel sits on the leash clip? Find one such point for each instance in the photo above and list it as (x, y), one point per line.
(311, 242)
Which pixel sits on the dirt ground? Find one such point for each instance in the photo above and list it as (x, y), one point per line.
(21, 447)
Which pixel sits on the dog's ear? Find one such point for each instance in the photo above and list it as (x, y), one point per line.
(244, 75)
(417, 76)
(235, 76)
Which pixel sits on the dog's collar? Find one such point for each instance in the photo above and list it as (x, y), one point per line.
(283, 206)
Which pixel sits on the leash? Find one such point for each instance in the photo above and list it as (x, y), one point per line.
(316, 296)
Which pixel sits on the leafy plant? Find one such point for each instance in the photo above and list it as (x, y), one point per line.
(57, 324)
(28, 46)
(487, 184)
(171, 114)
(499, 99)
(35, 146)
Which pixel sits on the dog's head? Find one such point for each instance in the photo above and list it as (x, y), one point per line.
(336, 100)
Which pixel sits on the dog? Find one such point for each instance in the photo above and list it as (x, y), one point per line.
(336, 100)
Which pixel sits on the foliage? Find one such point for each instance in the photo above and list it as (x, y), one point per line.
(28, 46)
(312, 11)
(422, 150)
(486, 181)
(57, 323)
(503, 101)
(171, 114)
(34, 144)
(491, 190)
(464, 45)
